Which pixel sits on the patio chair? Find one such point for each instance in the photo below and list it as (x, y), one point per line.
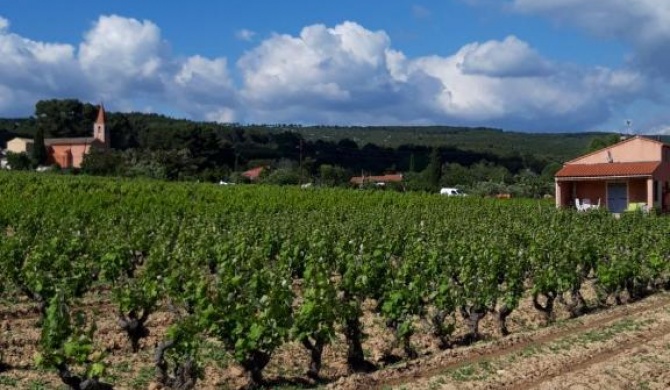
(596, 206)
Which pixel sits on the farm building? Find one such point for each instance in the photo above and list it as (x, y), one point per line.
(67, 152)
(254, 174)
(377, 180)
(20, 145)
(633, 171)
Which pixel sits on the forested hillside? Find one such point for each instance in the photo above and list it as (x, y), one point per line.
(176, 149)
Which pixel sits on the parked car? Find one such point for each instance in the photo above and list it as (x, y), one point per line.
(451, 192)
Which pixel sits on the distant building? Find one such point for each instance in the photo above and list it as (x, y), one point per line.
(636, 170)
(377, 180)
(20, 145)
(253, 174)
(67, 152)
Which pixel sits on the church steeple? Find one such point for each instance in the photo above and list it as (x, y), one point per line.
(101, 115)
(99, 129)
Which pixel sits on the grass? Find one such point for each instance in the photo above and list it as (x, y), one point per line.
(216, 353)
(470, 372)
(8, 381)
(37, 384)
(605, 334)
(143, 378)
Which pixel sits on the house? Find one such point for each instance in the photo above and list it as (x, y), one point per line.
(67, 152)
(253, 174)
(636, 170)
(377, 180)
(20, 145)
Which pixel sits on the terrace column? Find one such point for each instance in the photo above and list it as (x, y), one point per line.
(650, 192)
(559, 194)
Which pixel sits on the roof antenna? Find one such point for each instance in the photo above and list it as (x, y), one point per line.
(628, 124)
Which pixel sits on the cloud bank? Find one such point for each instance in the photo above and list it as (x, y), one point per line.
(343, 74)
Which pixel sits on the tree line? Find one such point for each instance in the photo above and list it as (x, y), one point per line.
(156, 146)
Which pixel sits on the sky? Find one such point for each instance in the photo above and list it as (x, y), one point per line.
(521, 65)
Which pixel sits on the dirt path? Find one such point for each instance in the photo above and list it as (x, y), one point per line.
(622, 343)
(531, 359)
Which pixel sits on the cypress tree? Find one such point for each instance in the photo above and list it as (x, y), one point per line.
(435, 168)
(39, 149)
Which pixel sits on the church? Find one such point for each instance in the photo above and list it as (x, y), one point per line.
(67, 152)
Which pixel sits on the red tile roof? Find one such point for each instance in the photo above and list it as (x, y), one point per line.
(254, 173)
(69, 141)
(395, 178)
(609, 169)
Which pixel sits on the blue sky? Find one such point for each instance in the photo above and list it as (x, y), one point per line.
(550, 65)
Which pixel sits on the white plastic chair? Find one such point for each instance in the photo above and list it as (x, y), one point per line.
(596, 206)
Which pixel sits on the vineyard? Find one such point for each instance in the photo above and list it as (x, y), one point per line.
(109, 283)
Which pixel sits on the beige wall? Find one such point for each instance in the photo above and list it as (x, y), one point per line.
(20, 145)
(634, 150)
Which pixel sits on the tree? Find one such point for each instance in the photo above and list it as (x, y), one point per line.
(333, 175)
(603, 142)
(103, 163)
(39, 149)
(19, 161)
(434, 169)
(65, 118)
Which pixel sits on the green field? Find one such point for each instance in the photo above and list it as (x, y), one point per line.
(254, 268)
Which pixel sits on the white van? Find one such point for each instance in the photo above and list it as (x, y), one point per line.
(451, 192)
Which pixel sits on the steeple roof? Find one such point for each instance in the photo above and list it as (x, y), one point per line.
(101, 115)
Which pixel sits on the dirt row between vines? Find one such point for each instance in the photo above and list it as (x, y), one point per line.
(624, 347)
(518, 361)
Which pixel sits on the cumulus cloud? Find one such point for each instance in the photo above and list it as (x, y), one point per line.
(204, 89)
(321, 65)
(121, 61)
(245, 35)
(348, 74)
(345, 74)
(121, 53)
(30, 70)
(509, 58)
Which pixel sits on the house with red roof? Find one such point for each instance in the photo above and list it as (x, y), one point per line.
(254, 174)
(68, 152)
(635, 170)
(377, 180)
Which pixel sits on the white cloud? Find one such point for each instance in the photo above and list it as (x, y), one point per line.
(245, 35)
(122, 61)
(348, 74)
(122, 54)
(203, 88)
(204, 76)
(321, 65)
(30, 70)
(509, 58)
(344, 74)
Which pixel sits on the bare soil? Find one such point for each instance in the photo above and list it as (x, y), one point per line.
(618, 348)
